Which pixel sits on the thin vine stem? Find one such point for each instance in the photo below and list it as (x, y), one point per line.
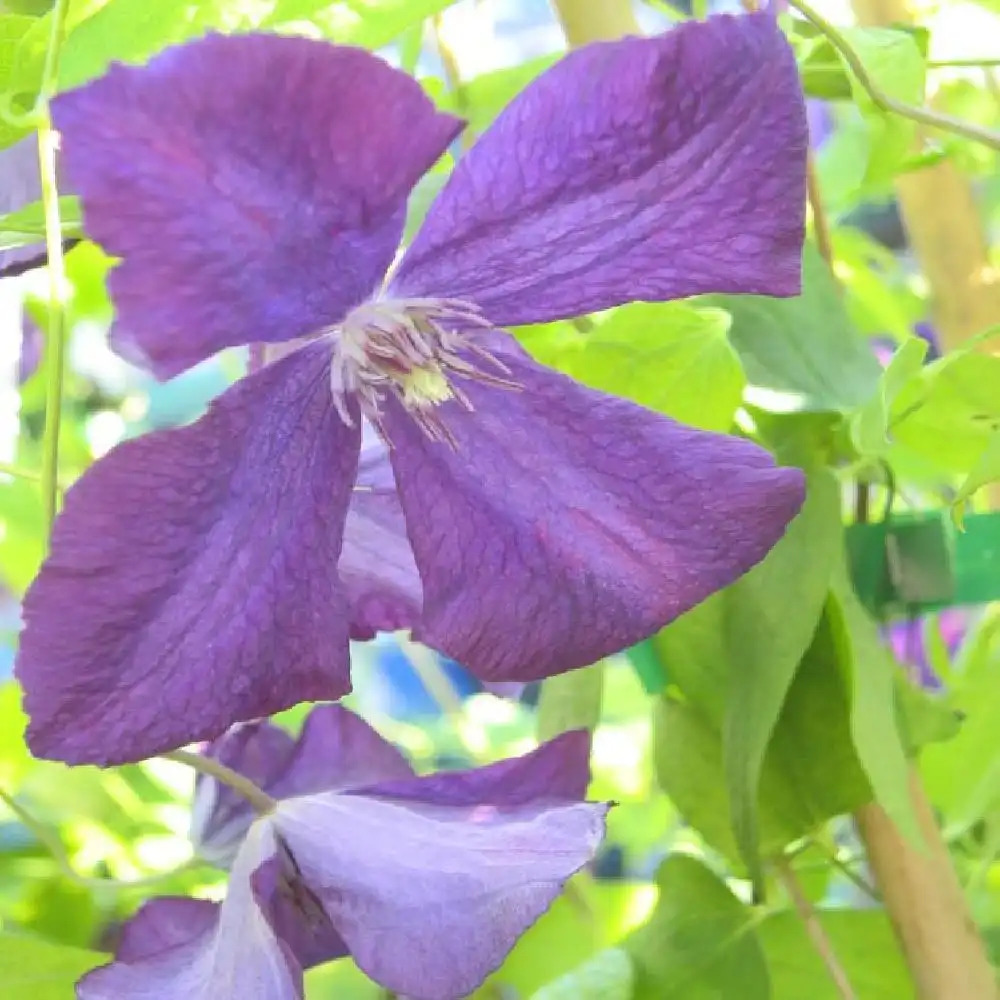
(818, 936)
(54, 846)
(55, 343)
(257, 797)
(889, 104)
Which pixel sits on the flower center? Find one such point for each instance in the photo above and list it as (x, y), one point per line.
(413, 349)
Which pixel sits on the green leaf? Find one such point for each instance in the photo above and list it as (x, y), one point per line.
(925, 716)
(606, 976)
(13, 28)
(810, 771)
(571, 701)
(870, 422)
(672, 357)
(986, 470)
(962, 776)
(14, 756)
(801, 354)
(863, 942)
(699, 943)
(949, 414)
(765, 645)
(32, 969)
(895, 63)
(26, 226)
(874, 721)
(368, 23)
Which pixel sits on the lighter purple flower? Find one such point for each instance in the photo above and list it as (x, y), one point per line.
(254, 188)
(426, 882)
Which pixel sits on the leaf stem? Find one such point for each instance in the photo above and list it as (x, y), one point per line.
(257, 797)
(818, 936)
(889, 104)
(55, 343)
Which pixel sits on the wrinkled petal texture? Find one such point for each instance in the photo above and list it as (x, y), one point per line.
(192, 578)
(430, 896)
(567, 525)
(254, 185)
(376, 561)
(641, 169)
(229, 954)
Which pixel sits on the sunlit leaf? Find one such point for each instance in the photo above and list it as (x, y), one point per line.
(698, 943)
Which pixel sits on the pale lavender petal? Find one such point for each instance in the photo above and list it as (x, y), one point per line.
(566, 525)
(235, 956)
(192, 578)
(639, 169)
(429, 897)
(254, 185)
(376, 561)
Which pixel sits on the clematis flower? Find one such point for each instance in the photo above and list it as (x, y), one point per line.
(254, 188)
(426, 882)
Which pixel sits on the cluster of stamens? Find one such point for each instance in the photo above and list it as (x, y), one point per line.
(413, 349)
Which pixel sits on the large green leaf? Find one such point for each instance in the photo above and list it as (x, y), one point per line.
(606, 976)
(949, 412)
(875, 724)
(13, 28)
(985, 471)
(810, 771)
(33, 969)
(741, 648)
(672, 357)
(801, 353)
(699, 943)
(870, 423)
(863, 942)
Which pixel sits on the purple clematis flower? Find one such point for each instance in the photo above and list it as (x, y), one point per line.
(907, 639)
(255, 188)
(426, 882)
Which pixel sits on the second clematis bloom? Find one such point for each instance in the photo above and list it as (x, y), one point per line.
(255, 189)
(426, 881)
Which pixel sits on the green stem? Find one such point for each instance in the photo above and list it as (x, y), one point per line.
(889, 104)
(817, 935)
(257, 797)
(54, 846)
(55, 343)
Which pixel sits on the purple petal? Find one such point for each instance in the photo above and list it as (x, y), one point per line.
(192, 579)
(641, 169)
(220, 816)
(295, 915)
(255, 186)
(566, 525)
(557, 771)
(335, 750)
(236, 955)
(165, 923)
(376, 561)
(20, 185)
(428, 897)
